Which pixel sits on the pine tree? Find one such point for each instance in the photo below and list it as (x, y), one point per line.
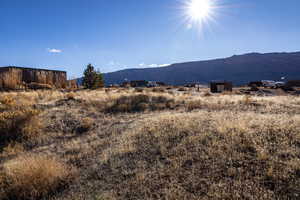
(92, 79)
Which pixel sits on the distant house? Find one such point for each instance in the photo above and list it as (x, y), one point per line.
(139, 83)
(12, 77)
(190, 85)
(193, 85)
(220, 86)
(152, 84)
(159, 83)
(255, 84)
(125, 84)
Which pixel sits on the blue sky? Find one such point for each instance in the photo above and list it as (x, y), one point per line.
(118, 34)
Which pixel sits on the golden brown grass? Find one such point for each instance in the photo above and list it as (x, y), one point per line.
(19, 124)
(85, 125)
(33, 177)
(152, 144)
(141, 102)
(20, 127)
(13, 148)
(210, 155)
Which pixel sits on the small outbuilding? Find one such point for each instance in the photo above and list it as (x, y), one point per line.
(139, 83)
(255, 84)
(220, 86)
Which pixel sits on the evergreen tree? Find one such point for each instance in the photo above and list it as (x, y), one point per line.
(92, 79)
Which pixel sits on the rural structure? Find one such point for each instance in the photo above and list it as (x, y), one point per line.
(220, 86)
(12, 77)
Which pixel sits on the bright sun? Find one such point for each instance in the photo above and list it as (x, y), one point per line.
(199, 10)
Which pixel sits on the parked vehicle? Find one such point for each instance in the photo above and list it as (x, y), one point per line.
(152, 84)
(272, 84)
(280, 84)
(268, 83)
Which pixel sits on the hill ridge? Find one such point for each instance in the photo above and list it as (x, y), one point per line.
(238, 68)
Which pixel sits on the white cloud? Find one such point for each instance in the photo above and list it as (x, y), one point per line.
(164, 65)
(114, 63)
(54, 50)
(153, 65)
(159, 65)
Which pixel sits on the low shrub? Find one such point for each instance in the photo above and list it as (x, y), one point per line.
(139, 90)
(7, 101)
(19, 124)
(248, 100)
(33, 177)
(85, 125)
(72, 123)
(193, 105)
(207, 94)
(12, 149)
(70, 96)
(141, 102)
(182, 89)
(158, 89)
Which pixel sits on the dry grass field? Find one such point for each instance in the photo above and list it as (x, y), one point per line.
(148, 144)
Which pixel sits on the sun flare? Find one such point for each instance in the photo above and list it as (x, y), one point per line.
(199, 12)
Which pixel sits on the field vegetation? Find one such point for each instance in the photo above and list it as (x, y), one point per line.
(148, 143)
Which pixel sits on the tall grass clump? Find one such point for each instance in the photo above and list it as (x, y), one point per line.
(33, 177)
(19, 124)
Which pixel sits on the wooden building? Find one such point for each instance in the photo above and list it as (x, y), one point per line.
(220, 86)
(12, 77)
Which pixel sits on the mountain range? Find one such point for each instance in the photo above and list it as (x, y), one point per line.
(240, 69)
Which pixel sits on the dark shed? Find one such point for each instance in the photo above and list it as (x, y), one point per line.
(220, 86)
(255, 84)
(140, 83)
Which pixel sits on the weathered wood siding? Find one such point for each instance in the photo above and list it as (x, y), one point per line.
(17, 78)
